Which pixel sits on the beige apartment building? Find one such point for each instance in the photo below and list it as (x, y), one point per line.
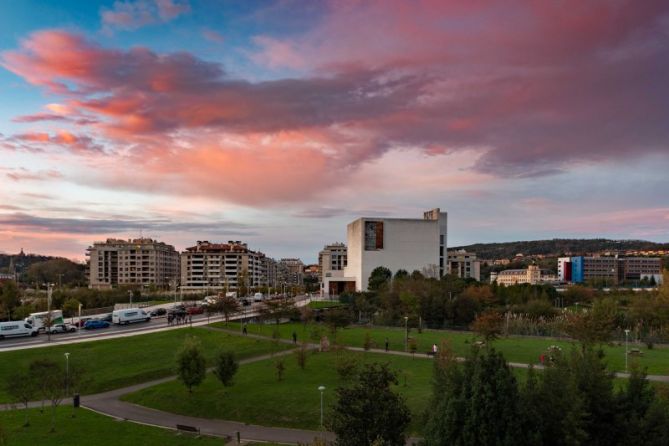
(141, 261)
(222, 266)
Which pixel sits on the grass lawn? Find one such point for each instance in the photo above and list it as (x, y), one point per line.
(257, 397)
(514, 348)
(88, 428)
(319, 304)
(115, 363)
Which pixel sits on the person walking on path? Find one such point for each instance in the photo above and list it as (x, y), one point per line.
(386, 344)
(244, 330)
(294, 338)
(434, 348)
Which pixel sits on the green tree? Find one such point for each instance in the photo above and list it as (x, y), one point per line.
(225, 367)
(21, 388)
(227, 306)
(479, 406)
(9, 297)
(191, 365)
(594, 326)
(71, 307)
(380, 277)
(369, 411)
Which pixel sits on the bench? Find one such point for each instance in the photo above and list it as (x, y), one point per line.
(189, 429)
(635, 352)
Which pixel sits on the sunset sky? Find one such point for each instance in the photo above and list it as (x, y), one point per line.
(277, 123)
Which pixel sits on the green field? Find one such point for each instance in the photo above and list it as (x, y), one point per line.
(515, 348)
(257, 397)
(319, 304)
(115, 363)
(88, 428)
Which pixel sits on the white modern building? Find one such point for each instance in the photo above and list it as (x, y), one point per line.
(395, 243)
(464, 265)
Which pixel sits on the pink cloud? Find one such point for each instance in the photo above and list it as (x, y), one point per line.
(276, 53)
(82, 145)
(532, 89)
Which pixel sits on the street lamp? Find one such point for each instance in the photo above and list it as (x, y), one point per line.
(321, 389)
(67, 374)
(48, 304)
(627, 333)
(130, 294)
(406, 333)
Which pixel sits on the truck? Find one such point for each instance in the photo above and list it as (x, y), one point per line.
(17, 328)
(129, 316)
(39, 320)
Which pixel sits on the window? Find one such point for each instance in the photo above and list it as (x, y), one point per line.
(373, 235)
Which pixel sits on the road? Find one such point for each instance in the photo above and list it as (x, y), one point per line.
(157, 324)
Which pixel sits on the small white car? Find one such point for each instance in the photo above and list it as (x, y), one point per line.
(62, 328)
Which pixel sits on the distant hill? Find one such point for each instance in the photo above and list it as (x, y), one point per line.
(558, 247)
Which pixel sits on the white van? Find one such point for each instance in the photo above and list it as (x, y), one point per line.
(258, 297)
(129, 316)
(17, 328)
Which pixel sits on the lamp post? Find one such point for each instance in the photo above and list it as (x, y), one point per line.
(406, 333)
(130, 294)
(321, 389)
(49, 291)
(67, 375)
(627, 333)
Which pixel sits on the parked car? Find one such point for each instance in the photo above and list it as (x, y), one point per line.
(158, 312)
(62, 328)
(17, 328)
(94, 324)
(129, 316)
(195, 310)
(80, 323)
(245, 302)
(107, 317)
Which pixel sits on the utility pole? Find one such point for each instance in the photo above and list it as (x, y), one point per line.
(49, 290)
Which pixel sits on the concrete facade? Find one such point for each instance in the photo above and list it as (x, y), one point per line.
(221, 266)
(396, 243)
(141, 261)
(464, 265)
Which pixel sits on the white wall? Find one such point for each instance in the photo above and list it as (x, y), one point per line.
(408, 244)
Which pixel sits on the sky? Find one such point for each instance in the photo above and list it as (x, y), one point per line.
(279, 122)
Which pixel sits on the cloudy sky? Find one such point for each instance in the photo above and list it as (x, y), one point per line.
(277, 123)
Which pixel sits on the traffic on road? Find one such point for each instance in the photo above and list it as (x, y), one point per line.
(32, 332)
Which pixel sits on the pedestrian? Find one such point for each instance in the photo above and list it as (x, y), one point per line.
(244, 330)
(294, 338)
(434, 348)
(386, 344)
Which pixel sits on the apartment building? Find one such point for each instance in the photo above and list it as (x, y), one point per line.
(394, 243)
(290, 271)
(333, 257)
(222, 266)
(141, 261)
(464, 264)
